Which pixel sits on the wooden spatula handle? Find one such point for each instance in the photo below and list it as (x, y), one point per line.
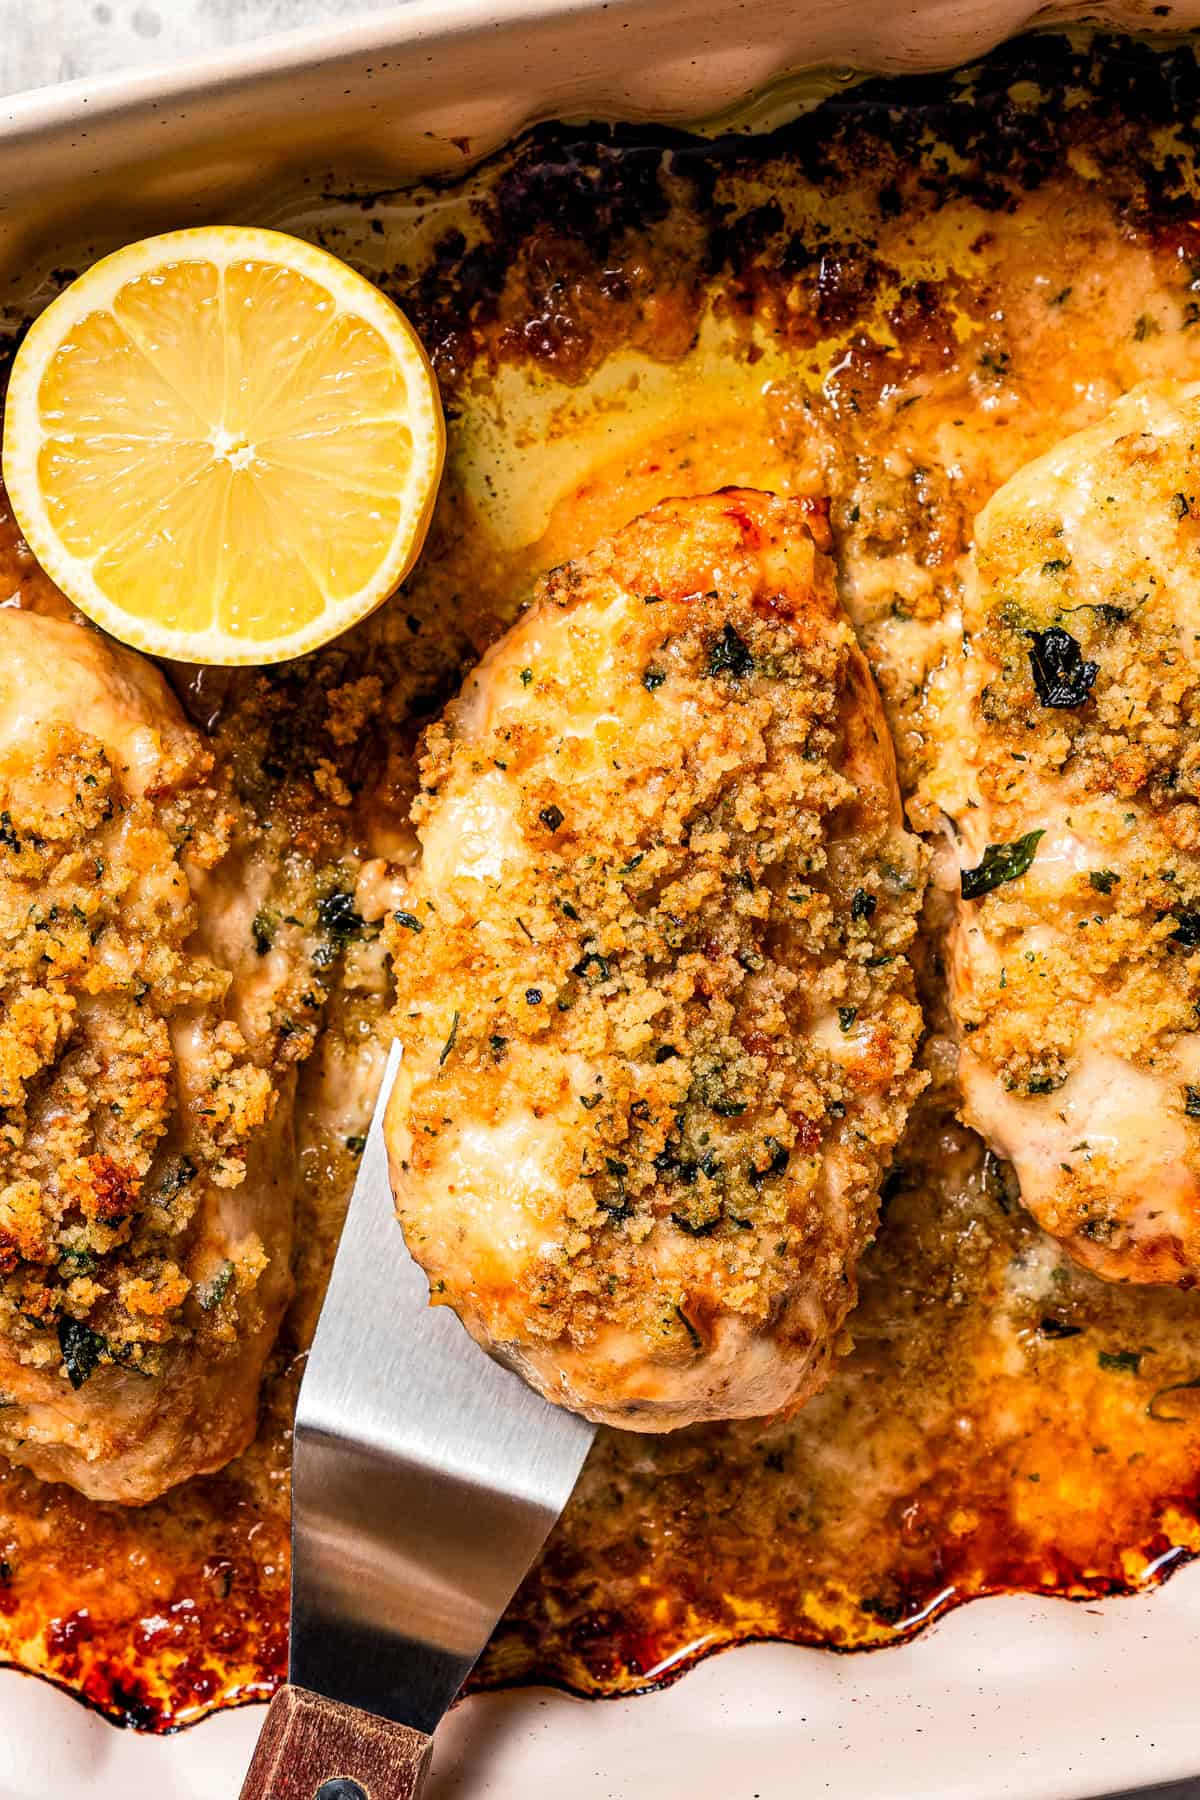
(315, 1749)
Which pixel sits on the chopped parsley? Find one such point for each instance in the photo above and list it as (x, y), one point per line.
(1103, 880)
(76, 1262)
(409, 921)
(862, 904)
(729, 655)
(1128, 1362)
(211, 1293)
(1001, 863)
(175, 1179)
(340, 922)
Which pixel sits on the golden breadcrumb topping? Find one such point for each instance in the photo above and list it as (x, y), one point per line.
(104, 1152)
(1120, 741)
(1083, 915)
(690, 961)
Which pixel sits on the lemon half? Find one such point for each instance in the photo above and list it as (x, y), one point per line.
(223, 445)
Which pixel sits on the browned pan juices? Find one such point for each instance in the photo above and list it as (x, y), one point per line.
(895, 303)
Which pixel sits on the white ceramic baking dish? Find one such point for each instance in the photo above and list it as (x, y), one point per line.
(1036, 1700)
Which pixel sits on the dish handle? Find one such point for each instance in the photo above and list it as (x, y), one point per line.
(316, 1749)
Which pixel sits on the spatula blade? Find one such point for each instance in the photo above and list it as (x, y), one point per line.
(425, 1477)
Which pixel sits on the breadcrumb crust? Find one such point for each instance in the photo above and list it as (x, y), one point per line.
(690, 971)
(101, 1168)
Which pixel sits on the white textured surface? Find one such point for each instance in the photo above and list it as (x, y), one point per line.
(44, 41)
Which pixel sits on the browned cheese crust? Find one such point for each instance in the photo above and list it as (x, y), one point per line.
(652, 989)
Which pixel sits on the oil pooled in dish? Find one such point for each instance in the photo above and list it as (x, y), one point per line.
(896, 304)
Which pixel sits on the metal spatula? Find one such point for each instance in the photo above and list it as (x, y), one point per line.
(424, 1482)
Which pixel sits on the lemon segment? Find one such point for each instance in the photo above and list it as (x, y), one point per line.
(223, 444)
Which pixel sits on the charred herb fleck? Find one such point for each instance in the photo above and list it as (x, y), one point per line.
(175, 1179)
(211, 1293)
(1187, 930)
(1060, 675)
(729, 655)
(340, 923)
(81, 1349)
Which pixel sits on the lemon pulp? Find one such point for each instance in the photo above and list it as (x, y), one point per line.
(223, 444)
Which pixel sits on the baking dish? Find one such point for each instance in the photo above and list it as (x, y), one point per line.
(1008, 1697)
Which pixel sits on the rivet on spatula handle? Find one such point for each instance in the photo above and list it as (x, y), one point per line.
(315, 1749)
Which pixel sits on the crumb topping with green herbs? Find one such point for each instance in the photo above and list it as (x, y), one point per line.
(652, 982)
(1077, 951)
(102, 1160)
(146, 1059)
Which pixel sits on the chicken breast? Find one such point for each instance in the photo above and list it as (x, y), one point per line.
(145, 1129)
(1076, 807)
(657, 1019)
